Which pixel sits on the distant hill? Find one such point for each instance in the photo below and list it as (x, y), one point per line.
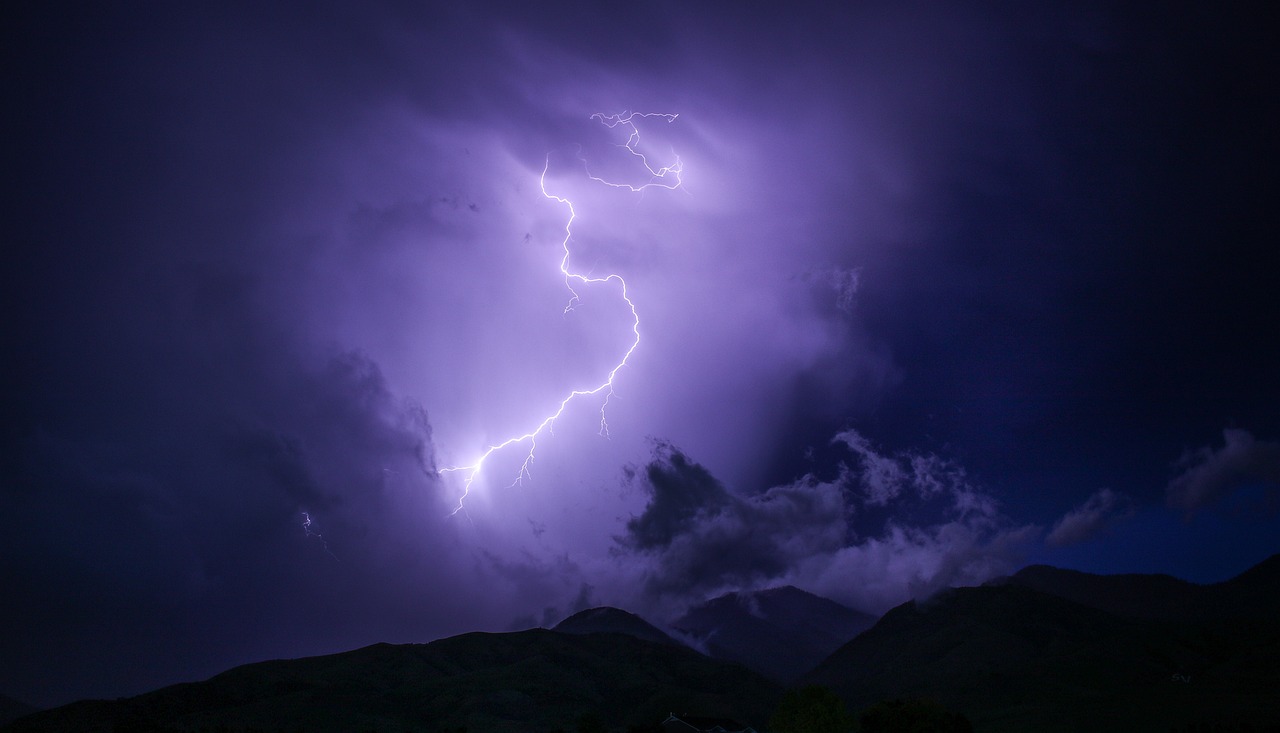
(11, 709)
(607, 620)
(1012, 658)
(781, 632)
(1255, 592)
(524, 682)
(1136, 596)
(1252, 594)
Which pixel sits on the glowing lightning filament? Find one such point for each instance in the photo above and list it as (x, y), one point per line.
(662, 177)
(306, 528)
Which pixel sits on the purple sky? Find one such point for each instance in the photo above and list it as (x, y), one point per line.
(944, 292)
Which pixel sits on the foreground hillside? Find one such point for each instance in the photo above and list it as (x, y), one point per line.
(528, 681)
(1015, 658)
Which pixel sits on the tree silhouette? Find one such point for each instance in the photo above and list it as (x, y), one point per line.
(912, 716)
(812, 709)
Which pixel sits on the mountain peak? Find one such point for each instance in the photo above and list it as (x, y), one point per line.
(610, 620)
(781, 632)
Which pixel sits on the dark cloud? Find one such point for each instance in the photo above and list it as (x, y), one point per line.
(1090, 519)
(156, 539)
(680, 492)
(703, 538)
(804, 532)
(1208, 475)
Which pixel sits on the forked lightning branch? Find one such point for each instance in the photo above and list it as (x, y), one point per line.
(648, 176)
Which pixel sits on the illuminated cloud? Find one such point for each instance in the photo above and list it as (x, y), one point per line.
(1089, 519)
(702, 538)
(251, 256)
(699, 538)
(644, 177)
(914, 562)
(1209, 475)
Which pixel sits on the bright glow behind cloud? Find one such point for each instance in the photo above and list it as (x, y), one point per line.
(575, 278)
(264, 267)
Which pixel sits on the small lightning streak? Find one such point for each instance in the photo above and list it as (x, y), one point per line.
(306, 528)
(667, 177)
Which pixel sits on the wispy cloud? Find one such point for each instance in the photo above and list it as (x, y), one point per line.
(1208, 475)
(699, 537)
(1089, 519)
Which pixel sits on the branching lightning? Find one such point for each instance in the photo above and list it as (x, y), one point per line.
(307, 529)
(667, 177)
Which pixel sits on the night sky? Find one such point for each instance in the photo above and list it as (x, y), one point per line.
(942, 292)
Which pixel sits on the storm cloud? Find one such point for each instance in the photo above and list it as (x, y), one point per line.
(701, 538)
(1208, 475)
(270, 267)
(1089, 519)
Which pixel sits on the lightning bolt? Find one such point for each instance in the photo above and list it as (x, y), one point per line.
(667, 177)
(306, 528)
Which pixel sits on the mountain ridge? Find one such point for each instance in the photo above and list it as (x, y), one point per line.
(518, 682)
(1047, 649)
(779, 632)
(1014, 657)
(1254, 593)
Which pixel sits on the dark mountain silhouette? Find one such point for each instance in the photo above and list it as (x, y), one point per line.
(1126, 658)
(1045, 650)
(528, 681)
(607, 620)
(781, 632)
(1252, 594)
(11, 709)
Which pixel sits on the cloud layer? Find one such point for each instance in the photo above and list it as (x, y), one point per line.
(934, 529)
(1090, 519)
(1208, 475)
